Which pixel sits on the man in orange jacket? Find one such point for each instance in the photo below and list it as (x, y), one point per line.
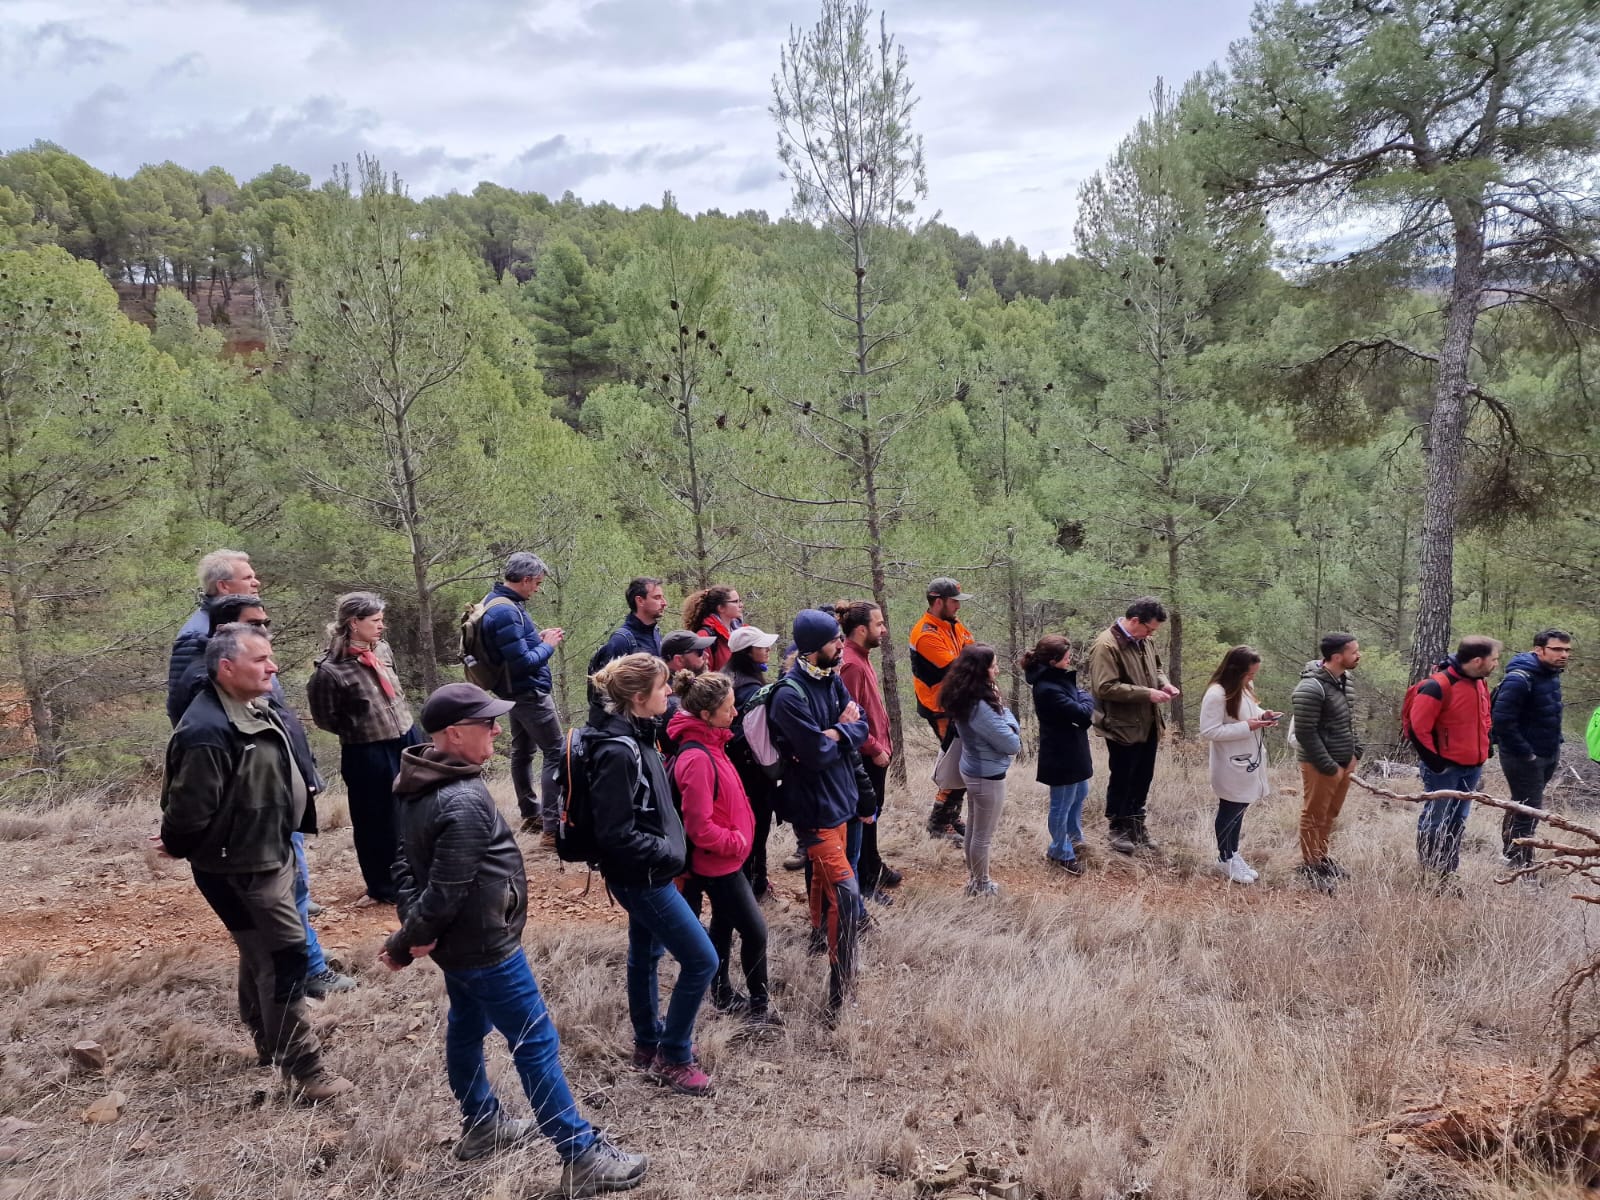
(936, 638)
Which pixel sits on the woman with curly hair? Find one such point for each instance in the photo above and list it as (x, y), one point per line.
(715, 612)
(990, 738)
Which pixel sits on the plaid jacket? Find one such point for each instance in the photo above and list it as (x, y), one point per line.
(348, 701)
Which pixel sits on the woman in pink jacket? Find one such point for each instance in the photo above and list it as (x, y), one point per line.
(719, 824)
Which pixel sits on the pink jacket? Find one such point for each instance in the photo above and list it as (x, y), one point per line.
(716, 812)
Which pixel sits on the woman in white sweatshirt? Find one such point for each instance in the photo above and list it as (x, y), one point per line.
(1234, 724)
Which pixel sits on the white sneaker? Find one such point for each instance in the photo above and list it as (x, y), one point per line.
(1254, 874)
(1236, 870)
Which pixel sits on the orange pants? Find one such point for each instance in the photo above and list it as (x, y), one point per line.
(835, 905)
(1324, 797)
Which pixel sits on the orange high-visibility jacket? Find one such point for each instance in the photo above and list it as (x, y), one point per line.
(934, 646)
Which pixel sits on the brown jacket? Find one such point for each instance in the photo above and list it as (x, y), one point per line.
(1121, 674)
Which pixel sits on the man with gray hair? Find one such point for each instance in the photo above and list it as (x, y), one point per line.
(237, 786)
(222, 573)
(520, 653)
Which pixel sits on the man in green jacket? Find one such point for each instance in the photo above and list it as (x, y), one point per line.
(1130, 691)
(1325, 733)
(235, 790)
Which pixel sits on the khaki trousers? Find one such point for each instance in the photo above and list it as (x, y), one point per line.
(1324, 797)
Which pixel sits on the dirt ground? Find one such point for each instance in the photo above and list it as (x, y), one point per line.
(1144, 1031)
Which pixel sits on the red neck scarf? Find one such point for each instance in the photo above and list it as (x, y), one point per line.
(367, 656)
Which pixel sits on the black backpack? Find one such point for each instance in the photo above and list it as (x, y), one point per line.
(575, 836)
(596, 700)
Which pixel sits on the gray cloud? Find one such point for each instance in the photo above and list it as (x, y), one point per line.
(622, 98)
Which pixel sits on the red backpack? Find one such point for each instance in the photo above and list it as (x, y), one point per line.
(1445, 681)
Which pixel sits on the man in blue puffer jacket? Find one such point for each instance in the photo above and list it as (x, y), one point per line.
(515, 645)
(817, 726)
(1527, 728)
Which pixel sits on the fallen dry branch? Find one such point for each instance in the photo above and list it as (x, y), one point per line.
(1544, 1129)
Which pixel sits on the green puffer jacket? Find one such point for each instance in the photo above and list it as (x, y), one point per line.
(1324, 719)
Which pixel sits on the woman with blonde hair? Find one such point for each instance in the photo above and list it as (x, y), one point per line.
(355, 694)
(641, 848)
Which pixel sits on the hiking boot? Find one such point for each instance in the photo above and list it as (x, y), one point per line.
(1448, 887)
(982, 887)
(1332, 869)
(888, 877)
(313, 909)
(795, 861)
(603, 1167)
(643, 1058)
(1080, 848)
(687, 1079)
(326, 982)
(1253, 873)
(534, 824)
(498, 1132)
(763, 1017)
(878, 896)
(818, 943)
(1315, 877)
(1123, 842)
(324, 1085)
(958, 827)
(1070, 866)
(731, 1002)
(1235, 870)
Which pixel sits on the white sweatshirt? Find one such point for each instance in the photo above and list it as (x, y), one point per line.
(1238, 754)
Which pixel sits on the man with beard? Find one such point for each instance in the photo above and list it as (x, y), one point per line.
(815, 721)
(1527, 728)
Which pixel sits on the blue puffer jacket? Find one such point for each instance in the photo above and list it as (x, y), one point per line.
(512, 639)
(1527, 709)
(819, 786)
(188, 648)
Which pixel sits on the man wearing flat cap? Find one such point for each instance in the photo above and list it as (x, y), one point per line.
(463, 901)
(936, 638)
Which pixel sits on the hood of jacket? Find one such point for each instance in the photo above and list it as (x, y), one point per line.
(686, 727)
(1529, 661)
(1045, 671)
(425, 767)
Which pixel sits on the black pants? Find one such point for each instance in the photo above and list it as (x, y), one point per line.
(1527, 779)
(869, 866)
(946, 810)
(1132, 769)
(1230, 823)
(368, 769)
(758, 788)
(734, 910)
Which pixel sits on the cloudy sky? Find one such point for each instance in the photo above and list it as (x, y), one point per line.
(615, 100)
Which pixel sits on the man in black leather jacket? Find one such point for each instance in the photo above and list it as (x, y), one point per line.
(464, 901)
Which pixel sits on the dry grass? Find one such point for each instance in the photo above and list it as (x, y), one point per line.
(1135, 1033)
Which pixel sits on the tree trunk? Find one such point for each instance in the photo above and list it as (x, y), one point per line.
(702, 573)
(428, 669)
(1175, 624)
(1443, 450)
(47, 750)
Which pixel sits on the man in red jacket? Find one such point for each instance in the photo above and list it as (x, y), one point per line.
(864, 631)
(1449, 720)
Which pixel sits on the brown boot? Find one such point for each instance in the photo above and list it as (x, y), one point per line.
(324, 1085)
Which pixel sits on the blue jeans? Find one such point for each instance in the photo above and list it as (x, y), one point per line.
(316, 964)
(1442, 822)
(660, 919)
(1066, 818)
(506, 998)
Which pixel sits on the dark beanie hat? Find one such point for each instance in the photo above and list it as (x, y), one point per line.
(814, 629)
